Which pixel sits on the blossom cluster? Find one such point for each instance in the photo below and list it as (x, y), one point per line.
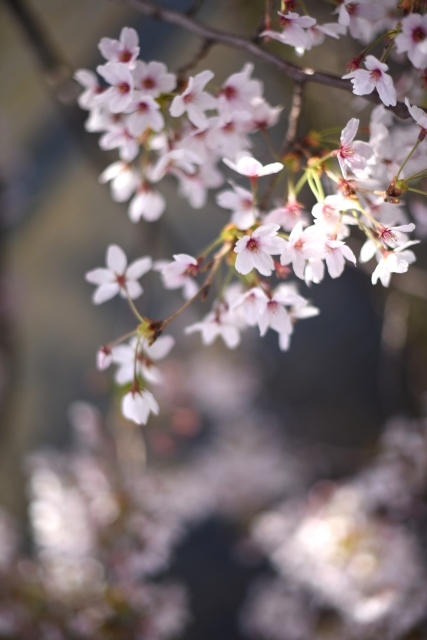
(168, 125)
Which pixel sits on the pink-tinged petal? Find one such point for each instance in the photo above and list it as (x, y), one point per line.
(129, 38)
(348, 254)
(138, 268)
(272, 246)
(279, 318)
(372, 63)
(266, 230)
(386, 91)
(263, 263)
(109, 48)
(201, 80)
(116, 259)
(248, 166)
(245, 262)
(134, 290)
(231, 336)
(185, 258)
(105, 292)
(99, 276)
(177, 107)
(335, 263)
(298, 265)
(349, 131)
(161, 348)
(274, 167)
(241, 244)
(197, 117)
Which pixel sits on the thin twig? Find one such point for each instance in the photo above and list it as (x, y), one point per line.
(198, 57)
(298, 74)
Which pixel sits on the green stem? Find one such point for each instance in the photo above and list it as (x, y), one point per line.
(407, 158)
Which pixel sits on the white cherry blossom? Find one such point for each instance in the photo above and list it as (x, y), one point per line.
(153, 79)
(354, 155)
(238, 91)
(255, 251)
(240, 201)
(92, 88)
(147, 203)
(119, 137)
(119, 95)
(418, 114)
(180, 274)
(221, 322)
(293, 33)
(139, 357)
(118, 277)
(124, 50)
(396, 261)
(194, 101)
(144, 114)
(123, 180)
(373, 77)
(336, 254)
(251, 168)
(412, 39)
(138, 404)
(302, 246)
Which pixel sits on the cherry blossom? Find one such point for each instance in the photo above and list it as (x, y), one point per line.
(287, 215)
(218, 323)
(123, 178)
(180, 274)
(153, 79)
(238, 91)
(255, 251)
(194, 101)
(124, 50)
(293, 30)
(138, 357)
(90, 82)
(144, 114)
(241, 203)
(396, 261)
(302, 246)
(147, 203)
(336, 254)
(251, 168)
(138, 404)
(354, 155)
(412, 39)
(118, 277)
(119, 95)
(374, 77)
(418, 114)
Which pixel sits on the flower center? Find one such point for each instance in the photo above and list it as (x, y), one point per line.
(148, 83)
(123, 88)
(125, 56)
(252, 245)
(418, 34)
(375, 75)
(229, 92)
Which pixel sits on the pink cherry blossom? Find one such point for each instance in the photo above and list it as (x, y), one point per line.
(354, 155)
(140, 357)
(180, 273)
(118, 277)
(194, 101)
(153, 79)
(412, 39)
(92, 88)
(301, 247)
(119, 95)
(418, 114)
(293, 32)
(241, 203)
(124, 50)
(336, 253)
(238, 91)
(255, 251)
(396, 261)
(373, 77)
(144, 114)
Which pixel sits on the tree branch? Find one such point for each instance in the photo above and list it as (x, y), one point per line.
(298, 74)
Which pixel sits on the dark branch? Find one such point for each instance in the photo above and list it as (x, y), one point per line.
(298, 74)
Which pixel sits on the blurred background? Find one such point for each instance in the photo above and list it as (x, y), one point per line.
(324, 404)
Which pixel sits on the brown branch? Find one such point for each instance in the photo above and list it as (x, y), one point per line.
(298, 74)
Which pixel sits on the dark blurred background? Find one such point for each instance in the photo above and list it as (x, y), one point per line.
(361, 361)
